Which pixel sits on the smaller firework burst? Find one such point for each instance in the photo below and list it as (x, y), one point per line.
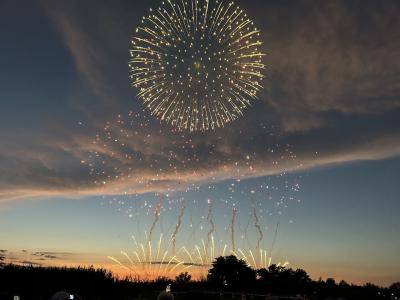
(151, 262)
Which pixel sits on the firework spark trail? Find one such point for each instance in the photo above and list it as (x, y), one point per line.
(144, 263)
(244, 257)
(131, 261)
(199, 253)
(170, 265)
(196, 64)
(159, 246)
(157, 213)
(246, 230)
(254, 260)
(178, 225)
(188, 254)
(224, 250)
(234, 212)
(258, 227)
(204, 249)
(211, 222)
(118, 262)
(274, 239)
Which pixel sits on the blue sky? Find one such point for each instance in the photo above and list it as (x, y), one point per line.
(341, 228)
(331, 96)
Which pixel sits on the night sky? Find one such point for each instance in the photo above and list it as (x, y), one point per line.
(318, 155)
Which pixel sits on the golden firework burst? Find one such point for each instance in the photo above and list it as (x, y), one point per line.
(196, 64)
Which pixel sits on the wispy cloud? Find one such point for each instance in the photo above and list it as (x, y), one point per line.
(38, 258)
(335, 56)
(51, 255)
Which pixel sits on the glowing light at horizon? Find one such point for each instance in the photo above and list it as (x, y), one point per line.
(150, 261)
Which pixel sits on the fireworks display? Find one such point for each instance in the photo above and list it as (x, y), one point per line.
(187, 205)
(152, 261)
(196, 64)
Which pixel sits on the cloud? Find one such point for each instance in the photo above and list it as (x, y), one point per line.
(322, 56)
(124, 160)
(332, 93)
(331, 56)
(51, 255)
(38, 258)
(95, 35)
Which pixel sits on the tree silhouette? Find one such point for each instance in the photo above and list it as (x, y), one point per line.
(227, 274)
(2, 257)
(282, 281)
(183, 278)
(395, 287)
(232, 273)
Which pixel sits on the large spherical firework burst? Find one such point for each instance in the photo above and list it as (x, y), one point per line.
(196, 63)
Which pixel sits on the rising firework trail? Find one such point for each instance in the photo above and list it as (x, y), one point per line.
(211, 222)
(258, 227)
(157, 213)
(234, 212)
(197, 64)
(275, 236)
(178, 225)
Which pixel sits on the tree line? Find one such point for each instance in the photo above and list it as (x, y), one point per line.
(226, 275)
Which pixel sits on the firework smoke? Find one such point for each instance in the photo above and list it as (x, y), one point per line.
(211, 222)
(178, 225)
(275, 236)
(258, 227)
(234, 212)
(157, 213)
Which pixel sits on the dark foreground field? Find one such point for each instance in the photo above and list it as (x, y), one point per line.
(223, 282)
